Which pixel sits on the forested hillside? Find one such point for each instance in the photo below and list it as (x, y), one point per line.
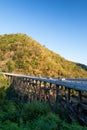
(22, 54)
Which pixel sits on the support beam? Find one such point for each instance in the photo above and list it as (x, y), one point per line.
(80, 96)
(68, 95)
(57, 91)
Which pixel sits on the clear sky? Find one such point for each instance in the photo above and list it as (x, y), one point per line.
(60, 25)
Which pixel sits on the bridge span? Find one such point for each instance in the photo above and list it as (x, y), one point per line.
(70, 93)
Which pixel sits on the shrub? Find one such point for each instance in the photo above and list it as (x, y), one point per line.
(33, 110)
(8, 125)
(47, 122)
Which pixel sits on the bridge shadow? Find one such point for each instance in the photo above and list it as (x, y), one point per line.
(15, 95)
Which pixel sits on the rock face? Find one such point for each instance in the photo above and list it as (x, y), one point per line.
(22, 54)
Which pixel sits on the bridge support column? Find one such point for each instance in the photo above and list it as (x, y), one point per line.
(50, 93)
(68, 95)
(40, 91)
(45, 94)
(57, 91)
(80, 96)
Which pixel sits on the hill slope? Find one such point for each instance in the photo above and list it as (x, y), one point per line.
(21, 54)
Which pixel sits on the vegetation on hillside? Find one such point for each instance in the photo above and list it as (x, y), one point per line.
(82, 66)
(21, 54)
(15, 115)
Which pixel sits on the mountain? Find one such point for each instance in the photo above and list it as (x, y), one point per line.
(22, 54)
(82, 66)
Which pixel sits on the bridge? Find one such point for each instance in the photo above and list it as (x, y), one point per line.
(70, 93)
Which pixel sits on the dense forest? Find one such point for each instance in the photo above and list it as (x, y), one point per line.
(15, 115)
(22, 54)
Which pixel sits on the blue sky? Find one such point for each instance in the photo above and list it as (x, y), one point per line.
(60, 25)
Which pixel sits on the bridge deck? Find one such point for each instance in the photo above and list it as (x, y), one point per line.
(75, 83)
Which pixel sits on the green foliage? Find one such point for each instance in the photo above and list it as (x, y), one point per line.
(2, 95)
(73, 126)
(10, 66)
(21, 54)
(4, 82)
(8, 125)
(47, 122)
(33, 110)
(32, 116)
